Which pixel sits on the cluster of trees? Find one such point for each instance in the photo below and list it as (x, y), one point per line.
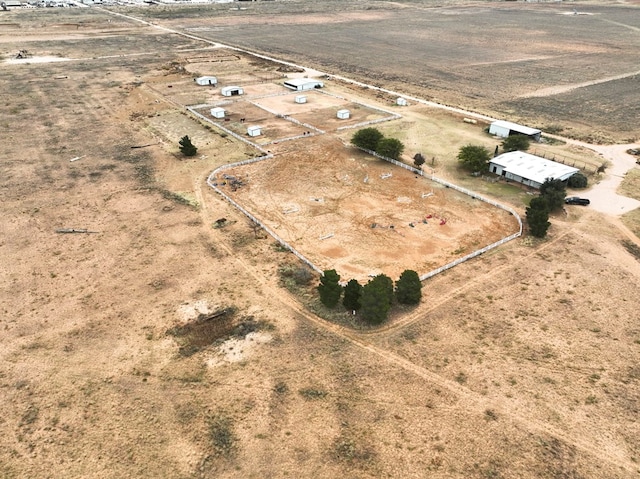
(373, 300)
(476, 158)
(552, 194)
(372, 139)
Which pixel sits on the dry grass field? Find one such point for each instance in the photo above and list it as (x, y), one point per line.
(156, 345)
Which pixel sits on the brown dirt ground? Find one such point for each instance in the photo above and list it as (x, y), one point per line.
(522, 363)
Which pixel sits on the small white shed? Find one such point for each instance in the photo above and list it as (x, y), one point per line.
(231, 91)
(401, 101)
(217, 112)
(206, 81)
(301, 99)
(343, 114)
(254, 131)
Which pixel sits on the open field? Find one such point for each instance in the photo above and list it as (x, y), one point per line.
(531, 63)
(521, 363)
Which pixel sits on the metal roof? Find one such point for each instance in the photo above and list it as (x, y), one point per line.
(302, 81)
(525, 130)
(533, 167)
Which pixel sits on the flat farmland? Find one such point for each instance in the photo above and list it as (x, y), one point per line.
(483, 57)
(343, 209)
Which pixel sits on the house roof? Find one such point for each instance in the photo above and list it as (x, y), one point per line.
(533, 167)
(525, 130)
(303, 81)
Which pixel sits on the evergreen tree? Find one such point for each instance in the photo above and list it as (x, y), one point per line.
(186, 147)
(418, 160)
(367, 138)
(554, 192)
(538, 217)
(352, 294)
(409, 288)
(329, 288)
(577, 180)
(375, 301)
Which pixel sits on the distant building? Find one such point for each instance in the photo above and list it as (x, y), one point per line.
(401, 101)
(303, 84)
(206, 81)
(528, 169)
(301, 99)
(343, 114)
(231, 91)
(504, 129)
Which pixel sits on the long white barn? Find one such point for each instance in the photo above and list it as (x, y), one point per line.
(528, 169)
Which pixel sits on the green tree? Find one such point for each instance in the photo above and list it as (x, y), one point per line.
(367, 138)
(554, 192)
(390, 148)
(474, 158)
(409, 288)
(538, 217)
(578, 181)
(186, 147)
(516, 143)
(329, 288)
(352, 294)
(418, 160)
(376, 300)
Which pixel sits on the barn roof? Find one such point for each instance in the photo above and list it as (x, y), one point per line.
(302, 81)
(525, 130)
(533, 167)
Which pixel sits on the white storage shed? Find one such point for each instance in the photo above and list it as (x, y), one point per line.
(401, 101)
(217, 112)
(302, 84)
(301, 99)
(504, 129)
(231, 91)
(528, 169)
(206, 81)
(343, 114)
(254, 131)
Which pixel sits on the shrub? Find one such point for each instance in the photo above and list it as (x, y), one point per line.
(577, 181)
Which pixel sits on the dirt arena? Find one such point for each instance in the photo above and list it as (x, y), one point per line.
(345, 210)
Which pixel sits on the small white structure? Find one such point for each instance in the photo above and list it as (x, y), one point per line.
(301, 99)
(231, 91)
(343, 114)
(254, 131)
(401, 101)
(206, 81)
(528, 169)
(303, 84)
(504, 129)
(217, 112)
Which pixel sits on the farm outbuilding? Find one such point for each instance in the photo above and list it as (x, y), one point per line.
(302, 84)
(206, 81)
(301, 99)
(343, 114)
(254, 131)
(231, 91)
(217, 112)
(401, 101)
(504, 129)
(528, 169)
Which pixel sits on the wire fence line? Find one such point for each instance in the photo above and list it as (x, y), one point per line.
(213, 184)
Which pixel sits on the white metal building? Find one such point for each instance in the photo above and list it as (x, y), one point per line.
(343, 114)
(301, 99)
(528, 169)
(504, 129)
(206, 81)
(231, 91)
(217, 112)
(302, 84)
(401, 101)
(254, 131)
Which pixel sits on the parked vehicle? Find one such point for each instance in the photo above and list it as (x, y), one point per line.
(576, 200)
